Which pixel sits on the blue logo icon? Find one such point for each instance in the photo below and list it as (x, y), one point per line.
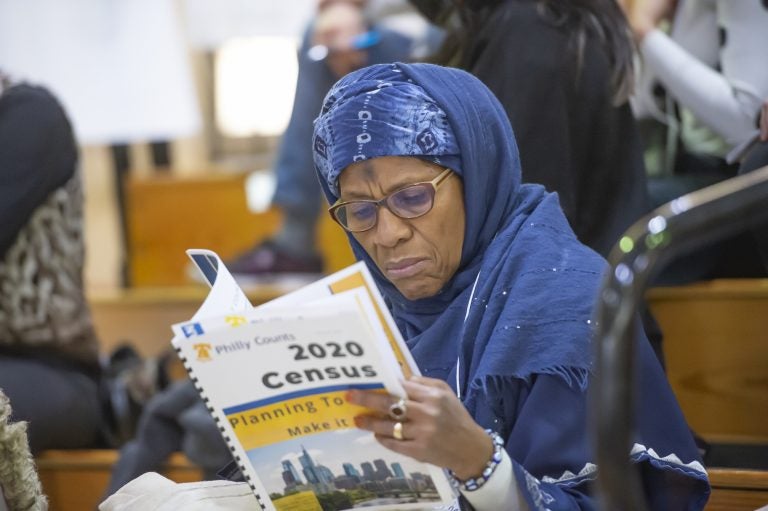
(192, 329)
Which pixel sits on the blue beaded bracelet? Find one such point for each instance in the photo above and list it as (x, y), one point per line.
(476, 483)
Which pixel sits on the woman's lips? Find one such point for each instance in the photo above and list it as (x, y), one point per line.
(404, 268)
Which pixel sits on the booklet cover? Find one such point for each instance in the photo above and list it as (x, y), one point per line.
(274, 378)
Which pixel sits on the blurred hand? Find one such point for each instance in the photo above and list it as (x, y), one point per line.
(645, 15)
(764, 122)
(437, 428)
(336, 27)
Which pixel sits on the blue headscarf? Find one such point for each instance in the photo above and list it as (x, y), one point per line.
(520, 301)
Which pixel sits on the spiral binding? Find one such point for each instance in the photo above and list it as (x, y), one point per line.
(216, 419)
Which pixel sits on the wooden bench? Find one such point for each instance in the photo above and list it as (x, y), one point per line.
(168, 214)
(716, 350)
(737, 490)
(75, 480)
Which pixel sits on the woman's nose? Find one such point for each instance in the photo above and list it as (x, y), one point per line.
(390, 228)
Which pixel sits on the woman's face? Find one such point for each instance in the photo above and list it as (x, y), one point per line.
(418, 255)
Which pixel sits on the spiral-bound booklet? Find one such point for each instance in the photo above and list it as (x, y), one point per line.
(274, 378)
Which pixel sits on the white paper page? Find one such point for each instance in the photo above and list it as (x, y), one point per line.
(318, 289)
(357, 275)
(225, 295)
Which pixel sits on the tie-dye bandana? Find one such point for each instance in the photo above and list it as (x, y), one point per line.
(386, 116)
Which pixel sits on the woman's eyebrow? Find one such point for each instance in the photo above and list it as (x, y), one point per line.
(347, 196)
(396, 185)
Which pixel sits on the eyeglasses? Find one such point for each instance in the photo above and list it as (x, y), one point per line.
(411, 201)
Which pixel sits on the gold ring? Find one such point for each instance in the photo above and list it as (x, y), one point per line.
(397, 431)
(397, 410)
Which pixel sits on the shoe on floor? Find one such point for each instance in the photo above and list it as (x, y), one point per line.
(266, 262)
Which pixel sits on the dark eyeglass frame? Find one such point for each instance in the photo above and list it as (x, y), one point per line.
(437, 181)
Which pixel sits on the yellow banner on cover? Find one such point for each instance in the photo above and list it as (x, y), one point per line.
(293, 418)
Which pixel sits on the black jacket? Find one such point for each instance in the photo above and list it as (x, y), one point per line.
(571, 137)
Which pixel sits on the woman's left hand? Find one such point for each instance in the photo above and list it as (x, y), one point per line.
(645, 15)
(437, 429)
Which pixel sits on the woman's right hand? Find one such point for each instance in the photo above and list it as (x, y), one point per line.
(437, 430)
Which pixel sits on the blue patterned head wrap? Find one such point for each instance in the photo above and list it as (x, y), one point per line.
(515, 235)
(389, 116)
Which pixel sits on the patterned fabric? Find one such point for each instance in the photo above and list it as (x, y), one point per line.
(18, 479)
(511, 331)
(42, 304)
(391, 116)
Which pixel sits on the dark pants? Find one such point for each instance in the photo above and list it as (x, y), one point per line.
(173, 420)
(61, 404)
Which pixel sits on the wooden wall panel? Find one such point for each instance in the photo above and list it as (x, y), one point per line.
(168, 214)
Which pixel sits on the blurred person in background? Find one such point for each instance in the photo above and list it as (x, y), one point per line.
(704, 77)
(342, 37)
(563, 71)
(49, 365)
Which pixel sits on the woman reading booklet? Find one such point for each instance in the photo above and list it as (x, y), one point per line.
(493, 295)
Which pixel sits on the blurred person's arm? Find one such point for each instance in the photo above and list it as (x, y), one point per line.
(726, 98)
